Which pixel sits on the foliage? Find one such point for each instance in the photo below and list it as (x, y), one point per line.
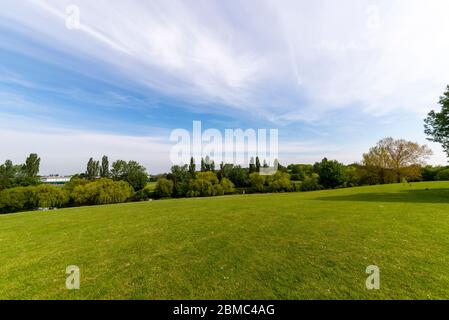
(331, 173)
(46, 196)
(192, 167)
(104, 169)
(437, 123)
(299, 172)
(200, 188)
(227, 185)
(132, 172)
(93, 169)
(164, 188)
(443, 175)
(16, 199)
(311, 183)
(257, 182)
(180, 175)
(279, 182)
(238, 175)
(31, 166)
(102, 191)
(20, 175)
(397, 156)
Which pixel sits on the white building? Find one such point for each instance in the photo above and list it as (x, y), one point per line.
(55, 179)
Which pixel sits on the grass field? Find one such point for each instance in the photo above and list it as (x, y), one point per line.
(283, 246)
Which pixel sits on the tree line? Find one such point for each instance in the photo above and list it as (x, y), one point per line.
(390, 161)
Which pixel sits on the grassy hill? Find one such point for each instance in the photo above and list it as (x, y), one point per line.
(280, 246)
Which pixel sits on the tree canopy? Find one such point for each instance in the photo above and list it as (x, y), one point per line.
(437, 123)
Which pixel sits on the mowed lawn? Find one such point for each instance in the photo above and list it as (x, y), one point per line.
(313, 245)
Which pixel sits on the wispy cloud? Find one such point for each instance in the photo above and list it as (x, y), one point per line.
(285, 58)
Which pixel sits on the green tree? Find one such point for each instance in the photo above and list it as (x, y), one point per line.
(102, 191)
(8, 174)
(192, 167)
(279, 182)
(257, 182)
(203, 165)
(209, 176)
(332, 173)
(257, 164)
(164, 188)
(437, 123)
(31, 166)
(200, 188)
(227, 185)
(104, 169)
(238, 175)
(311, 183)
(180, 176)
(93, 169)
(46, 196)
(252, 166)
(16, 199)
(132, 172)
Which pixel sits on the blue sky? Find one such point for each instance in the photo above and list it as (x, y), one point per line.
(332, 76)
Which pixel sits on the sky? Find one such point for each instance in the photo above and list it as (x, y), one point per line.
(333, 77)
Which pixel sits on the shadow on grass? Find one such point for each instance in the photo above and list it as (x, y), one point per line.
(412, 196)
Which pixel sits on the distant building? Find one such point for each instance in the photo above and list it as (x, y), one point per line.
(55, 179)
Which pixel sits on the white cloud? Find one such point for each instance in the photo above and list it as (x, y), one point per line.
(288, 60)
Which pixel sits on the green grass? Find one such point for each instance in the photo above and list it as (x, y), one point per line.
(283, 246)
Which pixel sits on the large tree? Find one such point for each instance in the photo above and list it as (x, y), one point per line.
(437, 123)
(104, 169)
(31, 166)
(132, 172)
(8, 173)
(93, 169)
(331, 172)
(398, 156)
(192, 167)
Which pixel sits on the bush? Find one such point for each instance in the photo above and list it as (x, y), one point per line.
(102, 191)
(257, 182)
(200, 188)
(209, 176)
(144, 194)
(164, 188)
(311, 183)
(443, 175)
(227, 185)
(45, 196)
(16, 199)
(280, 182)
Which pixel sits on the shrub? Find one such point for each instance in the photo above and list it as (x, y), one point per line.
(280, 182)
(164, 188)
(217, 190)
(257, 182)
(144, 194)
(227, 185)
(16, 199)
(200, 188)
(209, 176)
(102, 191)
(429, 173)
(74, 182)
(311, 183)
(45, 196)
(443, 175)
